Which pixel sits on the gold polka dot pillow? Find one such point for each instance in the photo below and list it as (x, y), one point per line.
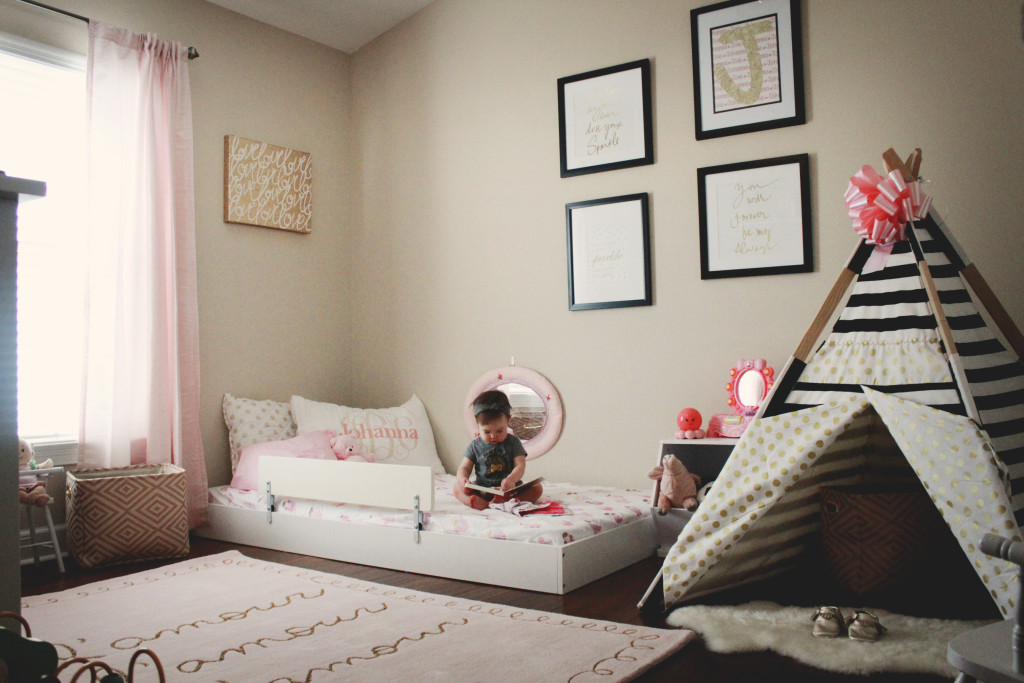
(251, 421)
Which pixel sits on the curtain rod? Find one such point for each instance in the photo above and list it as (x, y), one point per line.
(192, 52)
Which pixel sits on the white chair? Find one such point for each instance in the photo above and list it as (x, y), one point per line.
(993, 653)
(42, 475)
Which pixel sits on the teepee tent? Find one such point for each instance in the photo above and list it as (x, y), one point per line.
(911, 372)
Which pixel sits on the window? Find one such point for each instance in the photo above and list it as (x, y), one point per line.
(43, 138)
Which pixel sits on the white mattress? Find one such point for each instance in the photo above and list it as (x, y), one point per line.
(589, 511)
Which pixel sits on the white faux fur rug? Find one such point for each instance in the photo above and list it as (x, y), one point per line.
(230, 618)
(912, 644)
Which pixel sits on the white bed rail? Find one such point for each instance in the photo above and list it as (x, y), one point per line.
(403, 487)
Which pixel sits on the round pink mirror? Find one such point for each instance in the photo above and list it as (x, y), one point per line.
(536, 408)
(751, 381)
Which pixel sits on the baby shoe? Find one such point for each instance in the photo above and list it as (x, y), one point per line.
(864, 626)
(828, 622)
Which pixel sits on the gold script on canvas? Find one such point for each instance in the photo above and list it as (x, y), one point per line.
(267, 185)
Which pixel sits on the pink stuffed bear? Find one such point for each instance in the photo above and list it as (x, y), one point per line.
(348, 447)
(678, 485)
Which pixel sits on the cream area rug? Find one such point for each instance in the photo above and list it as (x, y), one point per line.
(226, 617)
(911, 645)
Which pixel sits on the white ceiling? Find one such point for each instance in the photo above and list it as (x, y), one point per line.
(343, 24)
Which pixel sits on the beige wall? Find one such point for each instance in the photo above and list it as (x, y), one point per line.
(461, 239)
(438, 244)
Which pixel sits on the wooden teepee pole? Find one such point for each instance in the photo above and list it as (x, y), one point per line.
(909, 171)
(825, 313)
(985, 296)
(972, 276)
(893, 162)
(795, 364)
(995, 309)
(848, 274)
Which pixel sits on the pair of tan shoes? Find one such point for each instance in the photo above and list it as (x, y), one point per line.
(829, 623)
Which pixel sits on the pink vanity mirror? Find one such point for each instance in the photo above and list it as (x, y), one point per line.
(749, 383)
(536, 406)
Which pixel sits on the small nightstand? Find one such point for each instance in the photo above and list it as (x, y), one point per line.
(703, 457)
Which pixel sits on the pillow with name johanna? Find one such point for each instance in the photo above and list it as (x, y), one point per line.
(400, 435)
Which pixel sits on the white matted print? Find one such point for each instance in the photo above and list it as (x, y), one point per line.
(609, 252)
(605, 119)
(747, 66)
(755, 218)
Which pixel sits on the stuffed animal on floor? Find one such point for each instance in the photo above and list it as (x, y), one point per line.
(31, 491)
(678, 486)
(348, 447)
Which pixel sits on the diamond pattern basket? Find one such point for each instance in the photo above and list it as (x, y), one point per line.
(126, 514)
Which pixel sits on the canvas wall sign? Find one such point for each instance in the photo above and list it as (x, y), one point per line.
(267, 185)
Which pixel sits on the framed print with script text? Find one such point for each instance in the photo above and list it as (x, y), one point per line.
(604, 119)
(609, 249)
(755, 218)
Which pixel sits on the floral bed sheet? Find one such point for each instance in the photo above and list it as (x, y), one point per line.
(589, 510)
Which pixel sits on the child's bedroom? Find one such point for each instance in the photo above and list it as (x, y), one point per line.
(653, 340)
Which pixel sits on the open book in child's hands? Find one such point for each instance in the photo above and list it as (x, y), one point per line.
(496, 490)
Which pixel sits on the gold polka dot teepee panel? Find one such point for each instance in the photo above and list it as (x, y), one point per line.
(909, 356)
(964, 478)
(769, 459)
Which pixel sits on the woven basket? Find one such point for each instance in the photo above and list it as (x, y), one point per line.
(126, 514)
(874, 537)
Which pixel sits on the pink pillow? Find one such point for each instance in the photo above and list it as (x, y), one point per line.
(315, 445)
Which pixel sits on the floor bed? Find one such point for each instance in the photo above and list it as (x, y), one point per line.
(404, 517)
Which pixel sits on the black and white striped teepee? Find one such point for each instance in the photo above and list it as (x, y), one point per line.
(921, 366)
(890, 307)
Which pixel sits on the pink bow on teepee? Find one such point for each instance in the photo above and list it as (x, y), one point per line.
(881, 206)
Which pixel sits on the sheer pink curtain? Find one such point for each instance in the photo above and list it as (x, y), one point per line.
(141, 388)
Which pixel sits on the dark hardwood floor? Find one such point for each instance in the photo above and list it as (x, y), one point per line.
(613, 598)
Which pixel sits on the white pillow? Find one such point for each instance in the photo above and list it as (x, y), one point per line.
(400, 435)
(250, 421)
